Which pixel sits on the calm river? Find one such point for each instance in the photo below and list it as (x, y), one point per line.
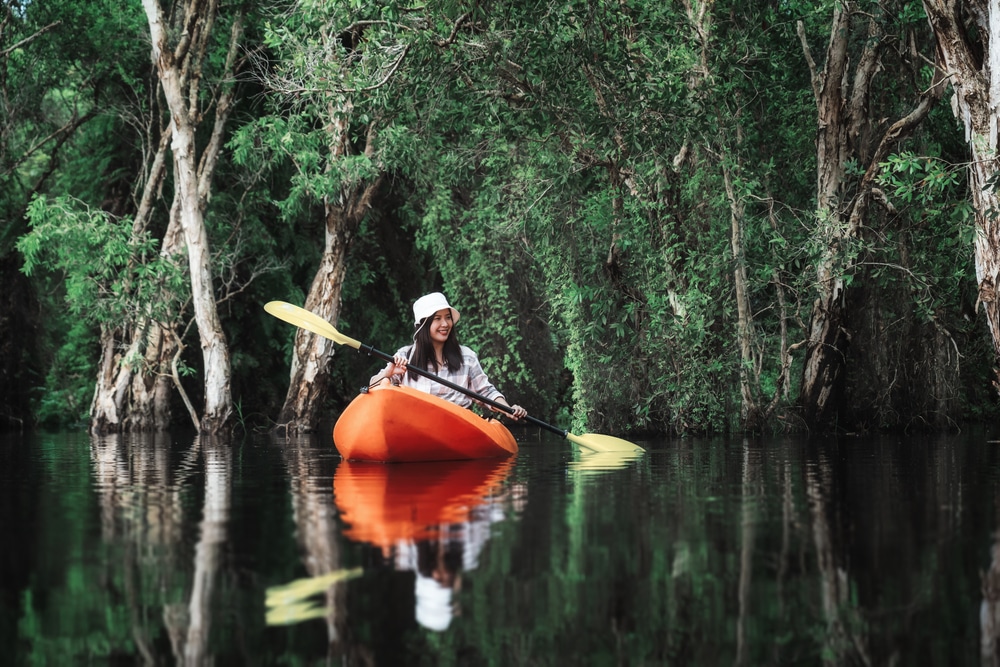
(174, 550)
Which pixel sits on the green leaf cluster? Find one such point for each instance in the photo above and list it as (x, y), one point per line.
(574, 175)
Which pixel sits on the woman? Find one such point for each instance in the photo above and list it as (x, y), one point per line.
(436, 350)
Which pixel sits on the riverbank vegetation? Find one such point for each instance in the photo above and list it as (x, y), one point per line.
(673, 218)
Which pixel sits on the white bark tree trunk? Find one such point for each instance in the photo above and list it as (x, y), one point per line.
(113, 409)
(151, 385)
(974, 72)
(749, 406)
(179, 71)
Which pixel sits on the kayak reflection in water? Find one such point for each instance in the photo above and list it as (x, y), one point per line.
(430, 518)
(440, 562)
(436, 350)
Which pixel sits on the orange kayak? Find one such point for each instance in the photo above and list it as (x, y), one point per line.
(395, 424)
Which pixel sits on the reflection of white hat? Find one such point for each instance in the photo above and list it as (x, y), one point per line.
(429, 304)
(433, 604)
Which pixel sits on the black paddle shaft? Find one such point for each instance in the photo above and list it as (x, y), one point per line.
(371, 351)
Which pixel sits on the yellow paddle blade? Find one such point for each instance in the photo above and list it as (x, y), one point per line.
(603, 443)
(290, 603)
(304, 319)
(300, 589)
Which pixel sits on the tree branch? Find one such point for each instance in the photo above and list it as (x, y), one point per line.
(6, 52)
(454, 31)
(817, 82)
(222, 111)
(385, 79)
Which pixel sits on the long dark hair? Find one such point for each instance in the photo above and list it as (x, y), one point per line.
(423, 350)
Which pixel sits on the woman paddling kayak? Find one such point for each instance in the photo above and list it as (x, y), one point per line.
(436, 349)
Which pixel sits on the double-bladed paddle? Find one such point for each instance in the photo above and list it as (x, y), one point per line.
(304, 319)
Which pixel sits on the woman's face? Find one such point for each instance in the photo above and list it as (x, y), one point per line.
(441, 325)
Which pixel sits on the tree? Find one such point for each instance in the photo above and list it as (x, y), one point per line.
(55, 88)
(968, 47)
(846, 133)
(326, 53)
(179, 53)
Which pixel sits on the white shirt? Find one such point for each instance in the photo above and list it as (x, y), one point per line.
(470, 375)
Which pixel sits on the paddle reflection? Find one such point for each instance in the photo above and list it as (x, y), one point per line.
(309, 471)
(589, 462)
(433, 519)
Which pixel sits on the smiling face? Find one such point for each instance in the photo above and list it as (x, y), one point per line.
(440, 326)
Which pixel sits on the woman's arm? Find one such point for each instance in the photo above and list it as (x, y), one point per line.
(519, 412)
(392, 373)
(480, 383)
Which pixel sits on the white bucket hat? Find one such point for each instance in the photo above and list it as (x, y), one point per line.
(429, 304)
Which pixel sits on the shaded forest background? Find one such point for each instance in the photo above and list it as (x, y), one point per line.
(668, 218)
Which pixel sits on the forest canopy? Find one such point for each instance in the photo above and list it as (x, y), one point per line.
(668, 218)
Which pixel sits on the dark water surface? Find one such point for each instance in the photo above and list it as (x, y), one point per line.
(176, 550)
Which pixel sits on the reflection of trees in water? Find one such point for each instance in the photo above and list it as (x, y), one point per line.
(310, 472)
(989, 609)
(752, 492)
(195, 630)
(888, 520)
(141, 509)
(141, 500)
(744, 554)
(749, 554)
(885, 516)
(845, 636)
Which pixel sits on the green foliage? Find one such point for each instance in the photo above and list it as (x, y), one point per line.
(110, 274)
(569, 173)
(915, 179)
(64, 397)
(104, 275)
(57, 79)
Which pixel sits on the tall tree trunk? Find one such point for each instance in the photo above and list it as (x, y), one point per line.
(114, 374)
(726, 147)
(824, 354)
(150, 389)
(152, 384)
(307, 385)
(973, 68)
(150, 392)
(749, 407)
(843, 124)
(179, 71)
(113, 408)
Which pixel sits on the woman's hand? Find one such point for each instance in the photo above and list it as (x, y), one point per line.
(518, 413)
(396, 367)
